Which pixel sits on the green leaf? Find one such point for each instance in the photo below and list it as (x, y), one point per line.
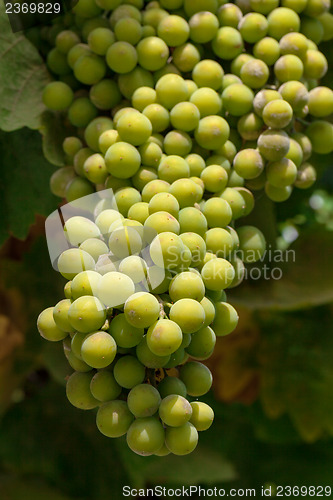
(23, 77)
(54, 132)
(307, 277)
(24, 189)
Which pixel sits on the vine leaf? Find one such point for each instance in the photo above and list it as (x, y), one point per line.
(54, 132)
(23, 77)
(24, 188)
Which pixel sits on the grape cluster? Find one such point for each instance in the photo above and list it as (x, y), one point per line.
(182, 108)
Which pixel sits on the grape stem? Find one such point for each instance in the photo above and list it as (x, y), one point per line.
(151, 376)
(162, 314)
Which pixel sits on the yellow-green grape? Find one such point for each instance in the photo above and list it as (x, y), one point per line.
(235, 200)
(202, 343)
(162, 222)
(76, 52)
(134, 267)
(320, 133)
(177, 358)
(95, 128)
(145, 436)
(185, 57)
(249, 126)
(142, 97)
(315, 8)
(95, 169)
(104, 387)
(215, 178)
(141, 309)
(79, 159)
(126, 197)
(171, 385)
(174, 30)
(76, 343)
(114, 418)
(254, 73)
(252, 243)
(288, 67)
(191, 7)
(235, 180)
(78, 391)
(239, 267)
(128, 372)
(148, 358)
(296, 5)
(208, 73)
(320, 102)
(89, 69)
(237, 99)
(178, 143)
(277, 114)
(226, 319)
(100, 39)
(185, 116)
(253, 27)
(73, 261)
(237, 64)
(294, 43)
(295, 93)
(282, 173)
(217, 274)
(114, 289)
(229, 79)
(207, 101)
(131, 81)
(306, 176)
(158, 279)
(315, 64)
(181, 440)
(122, 160)
(57, 96)
(175, 410)
(74, 362)
(191, 87)
(197, 246)
(263, 97)
(106, 218)
(229, 15)
(128, 30)
(209, 309)
(218, 212)
(188, 314)
(98, 349)
(134, 128)
(57, 62)
(219, 242)
(202, 415)
(187, 284)
(77, 229)
(227, 43)
(123, 11)
(192, 220)
(212, 132)
(282, 21)
(171, 89)
(86, 314)
(248, 163)
(164, 337)
(65, 40)
(196, 377)
(105, 264)
(154, 187)
(121, 57)
(249, 200)
(295, 152)
(60, 315)
(68, 290)
(141, 178)
(60, 179)
(186, 191)
(203, 27)
(164, 201)
(77, 188)
(95, 247)
(143, 400)
(277, 194)
(173, 167)
(151, 154)
(273, 145)
(326, 20)
(48, 328)
(267, 49)
(124, 333)
(139, 211)
(158, 116)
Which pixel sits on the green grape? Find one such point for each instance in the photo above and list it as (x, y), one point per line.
(152, 53)
(320, 133)
(295, 152)
(177, 143)
(188, 314)
(196, 377)
(264, 6)
(171, 89)
(158, 116)
(89, 69)
(192, 220)
(148, 358)
(227, 43)
(253, 27)
(185, 116)
(153, 16)
(114, 289)
(98, 349)
(60, 180)
(143, 400)
(171, 385)
(122, 160)
(186, 191)
(281, 21)
(128, 372)
(218, 212)
(105, 264)
(60, 315)
(207, 101)
(175, 410)
(181, 440)
(219, 242)
(57, 62)
(295, 93)
(141, 309)
(168, 69)
(315, 64)
(249, 126)
(226, 319)
(162, 222)
(134, 267)
(121, 57)
(277, 114)
(100, 39)
(277, 194)
(239, 267)
(57, 96)
(202, 343)
(294, 43)
(48, 328)
(164, 337)
(125, 11)
(237, 99)
(67, 290)
(78, 391)
(202, 415)
(229, 15)
(172, 168)
(238, 63)
(85, 283)
(95, 247)
(145, 436)
(208, 73)
(134, 128)
(77, 229)
(79, 158)
(76, 52)
(76, 344)
(86, 314)
(77, 188)
(254, 73)
(185, 57)
(72, 261)
(197, 246)
(315, 8)
(171, 4)
(158, 279)
(326, 19)
(228, 151)
(187, 285)
(320, 102)
(142, 97)
(282, 173)
(124, 333)
(229, 79)
(114, 418)
(267, 49)
(86, 9)
(81, 112)
(191, 87)
(273, 145)
(151, 154)
(212, 132)
(252, 243)
(106, 218)
(306, 176)
(196, 164)
(126, 197)
(248, 163)
(193, 6)
(71, 146)
(217, 274)
(74, 362)
(103, 386)
(296, 5)
(95, 169)
(288, 67)
(209, 309)
(164, 201)
(154, 187)
(128, 30)
(65, 40)
(249, 201)
(203, 26)
(95, 128)
(235, 180)
(235, 200)
(174, 30)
